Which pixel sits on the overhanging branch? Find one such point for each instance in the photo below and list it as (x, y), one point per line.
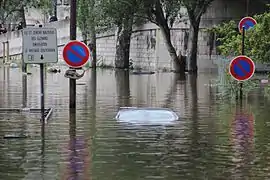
(145, 17)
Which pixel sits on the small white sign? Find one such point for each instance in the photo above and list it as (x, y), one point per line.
(40, 45)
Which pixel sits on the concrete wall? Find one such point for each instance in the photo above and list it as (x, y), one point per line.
(33, 15)
(148, 49)
(147, 46)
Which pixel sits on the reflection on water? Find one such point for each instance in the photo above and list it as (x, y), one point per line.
(78, 164)
(213, 139)
(242, 139)
(123, 88)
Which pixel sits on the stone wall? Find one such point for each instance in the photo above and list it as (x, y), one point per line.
(147, 46)
(148, 49)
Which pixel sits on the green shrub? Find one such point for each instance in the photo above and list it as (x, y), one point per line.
(257, 40)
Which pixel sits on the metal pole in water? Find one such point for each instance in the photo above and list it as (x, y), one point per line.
(243, 53)
(72, 82)
(8, 60)
(42, 91)
(4, 52)
(24, 84)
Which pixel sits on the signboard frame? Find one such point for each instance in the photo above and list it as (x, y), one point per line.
(40, 57)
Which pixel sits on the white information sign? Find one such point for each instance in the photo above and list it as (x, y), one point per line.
(40, 45)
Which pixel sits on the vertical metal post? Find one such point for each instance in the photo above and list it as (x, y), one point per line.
(24, 67)
(42, 149)
(24, 90)
(247, 7)
(243, 53)
(72, 82)
(54, 7)
(24, 85)
(42, 92)
(243, 40)
(4, 52)
(8, 51)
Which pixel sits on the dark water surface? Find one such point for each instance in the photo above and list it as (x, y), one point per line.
(214, 139)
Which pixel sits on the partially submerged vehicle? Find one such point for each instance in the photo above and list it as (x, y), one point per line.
(146, 116)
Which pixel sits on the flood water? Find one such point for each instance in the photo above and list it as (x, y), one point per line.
(214, 138)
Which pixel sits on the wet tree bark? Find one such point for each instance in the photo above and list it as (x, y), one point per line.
(22, 16)
(93, 38)
(178, 61)
(193, 46)
(123, 43)
(93, 42)
(195, 10)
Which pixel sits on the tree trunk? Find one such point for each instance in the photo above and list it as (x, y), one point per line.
(93, 41)
(123, 43)
(178, 62)
(92, 33)
(193, 46)
(84, 37)
(22, 16)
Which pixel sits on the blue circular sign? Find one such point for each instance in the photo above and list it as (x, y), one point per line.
(242, 68)
(246, 23)
(76, 54)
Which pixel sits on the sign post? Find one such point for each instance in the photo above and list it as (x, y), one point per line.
(245, 24)
(76, 54)
(40, 47)
(72, 35)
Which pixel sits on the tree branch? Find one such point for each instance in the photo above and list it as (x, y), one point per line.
(146, 17)
(10, 12)
(201, 8)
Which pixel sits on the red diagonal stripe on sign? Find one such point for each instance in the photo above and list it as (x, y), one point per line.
(240, 66)
(75, 53)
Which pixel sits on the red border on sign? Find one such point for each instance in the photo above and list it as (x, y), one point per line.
(83, 60)
(248, 75)
(242, 21)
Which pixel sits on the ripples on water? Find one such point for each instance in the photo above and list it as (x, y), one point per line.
(214, 139)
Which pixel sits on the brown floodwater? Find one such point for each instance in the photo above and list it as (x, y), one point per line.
(214, 138)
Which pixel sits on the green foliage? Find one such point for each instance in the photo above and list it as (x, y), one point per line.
(257, 40)
(12, 8)
(83, 15)
(45, 5)
(229, 38)
(91, 15)
(9, 8)
(162, 11)
(119, 11)
(229, 87)
(196, 8)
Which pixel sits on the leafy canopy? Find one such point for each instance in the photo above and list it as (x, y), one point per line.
(196, 8)
(257, 40)
(11, 8)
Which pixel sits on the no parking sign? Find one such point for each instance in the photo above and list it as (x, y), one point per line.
(242, 68)
(76, 54)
